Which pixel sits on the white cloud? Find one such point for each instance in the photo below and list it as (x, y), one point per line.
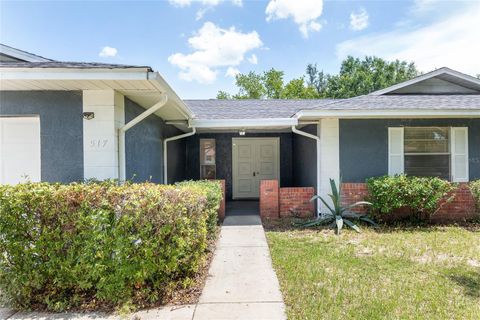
(303, 12)
(206, 5)
(214, 48)
(253, 59)
(200, 13)
(450, 41)
(180, 3)
(232, 72)
(108, 52)
(359, 20)
(423, 6)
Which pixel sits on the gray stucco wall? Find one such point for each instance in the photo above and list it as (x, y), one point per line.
(305, 159)
(364, 145)
(144, 148)
(61, 129)
(224, 156)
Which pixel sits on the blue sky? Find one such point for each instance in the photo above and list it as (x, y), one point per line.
(199, 45)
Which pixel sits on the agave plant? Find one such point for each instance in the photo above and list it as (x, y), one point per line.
(338, 215)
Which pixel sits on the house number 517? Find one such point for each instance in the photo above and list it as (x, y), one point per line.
(98, 143)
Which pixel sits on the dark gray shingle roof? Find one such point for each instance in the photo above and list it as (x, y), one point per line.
(262, 109)
(407, 102)
(251, 109)
(66, 64)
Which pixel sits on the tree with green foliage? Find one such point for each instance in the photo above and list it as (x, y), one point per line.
(317, 79)
(296, 89)
(223, 95)
(250, 86)
(356, 77)
(273, 82)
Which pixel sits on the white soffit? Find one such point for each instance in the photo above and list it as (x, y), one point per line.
(137, 84)
(232, 124)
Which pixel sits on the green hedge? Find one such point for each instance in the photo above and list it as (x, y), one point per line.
(101, 244)
(421, 195)
(475, 188)
(214, 193)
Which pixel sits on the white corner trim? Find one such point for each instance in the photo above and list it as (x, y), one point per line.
(242, 123)
(426, 76)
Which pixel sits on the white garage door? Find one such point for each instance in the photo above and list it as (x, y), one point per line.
(19, 149)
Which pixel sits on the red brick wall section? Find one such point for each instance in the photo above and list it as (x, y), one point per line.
(269, 206)
(221, 210)
(354, 192)
(296, 202)
(461, 208)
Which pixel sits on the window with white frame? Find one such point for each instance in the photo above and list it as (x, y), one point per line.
(429, 151)
(208, 169)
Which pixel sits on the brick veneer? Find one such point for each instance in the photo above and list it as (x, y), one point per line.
(461, 208)
(221, 210)
(278, 202)
(269, 205)
(296, 202)
(354, 192)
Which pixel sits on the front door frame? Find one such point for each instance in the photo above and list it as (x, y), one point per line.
(234, 165)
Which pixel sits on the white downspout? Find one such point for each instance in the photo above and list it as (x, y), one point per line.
(130, 124)
(165, 151)
(317, 139)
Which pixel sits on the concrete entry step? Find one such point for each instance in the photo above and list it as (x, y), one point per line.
(242, 208)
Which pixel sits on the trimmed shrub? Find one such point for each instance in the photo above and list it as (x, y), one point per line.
(100, 244)
(214, 194)
(475, 188)
(420, 195)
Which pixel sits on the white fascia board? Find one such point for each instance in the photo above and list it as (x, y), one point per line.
(425, 76)
(21, 55)
(72, 74)
(398, 113)
(242, 123)
(157, 80)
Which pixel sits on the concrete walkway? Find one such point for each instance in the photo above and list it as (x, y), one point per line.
(241, 283)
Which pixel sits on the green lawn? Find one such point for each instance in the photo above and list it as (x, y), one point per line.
(431, 273)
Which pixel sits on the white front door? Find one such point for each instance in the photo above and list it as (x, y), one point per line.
(253, 159)
(19, 149)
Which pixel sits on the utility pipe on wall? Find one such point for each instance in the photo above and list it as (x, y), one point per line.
(130, 124)
(165, 151)
(317, 139)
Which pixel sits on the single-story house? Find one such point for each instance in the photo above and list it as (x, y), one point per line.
(71, 121)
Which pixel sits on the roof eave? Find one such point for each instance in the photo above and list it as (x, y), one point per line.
(391, 113)
(158, 81)
(21, 55)
(425, 76)
(7, 73)
(243, 123)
